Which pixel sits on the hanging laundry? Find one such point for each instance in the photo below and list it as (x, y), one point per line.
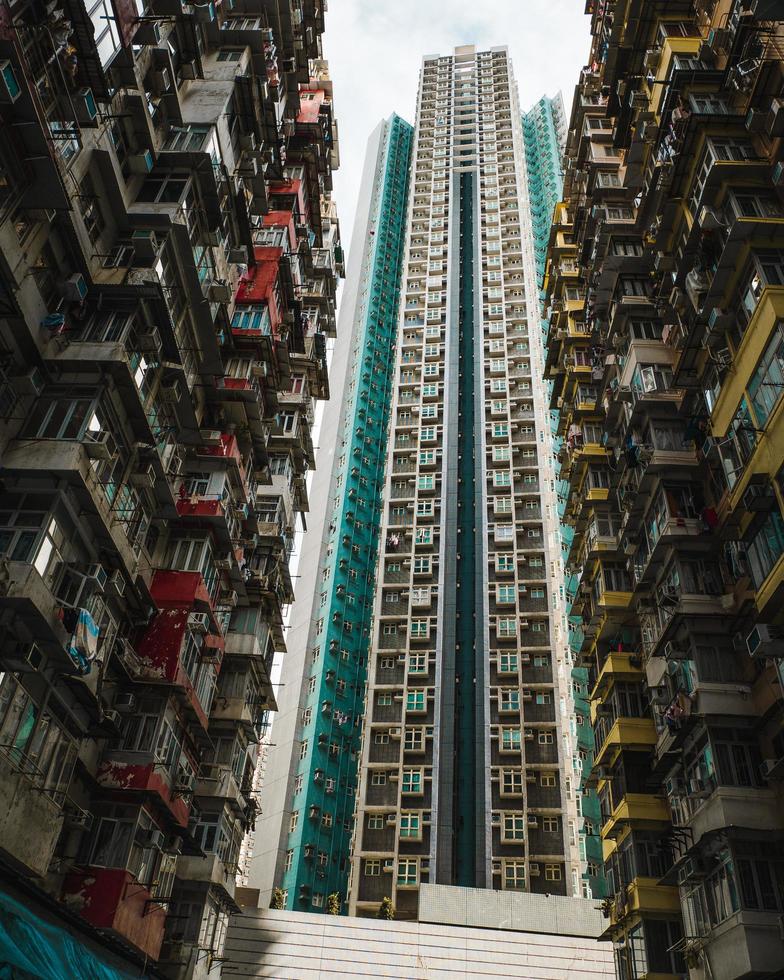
(83, 645)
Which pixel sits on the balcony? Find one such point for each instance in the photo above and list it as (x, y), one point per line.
(640, 810)
(644, 895)
(30, 817)
(617, 667)
(112, 899)
(122, 773)
(631, 734)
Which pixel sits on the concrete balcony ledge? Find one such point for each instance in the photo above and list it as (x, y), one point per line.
(217, 782)
(207, 869)
(627, 733)
(617, 666)
(30, 821)
(645, 811)
(747, 945)
(70, 460)
(743, 806)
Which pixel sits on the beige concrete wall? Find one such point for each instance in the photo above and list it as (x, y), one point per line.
(282, 945)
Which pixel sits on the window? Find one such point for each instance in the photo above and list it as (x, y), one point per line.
(511, 782)
(372, 867)
(375, 821)
(550, 825)
(412, 782)
(510, 739)
(767, 383)
(407, 872)
(509, 699)
(414, 739)
(507, 663)
(293, 821)
(381, 738)
(543, 697)
(384, 700)
(552, 872)
(506, 594)
(420, 629)
(514, 874)
(288, 861)
(378, 778)
(513, 827)
(411, 825)
(547, 779)
(416, 700)
(546, 738)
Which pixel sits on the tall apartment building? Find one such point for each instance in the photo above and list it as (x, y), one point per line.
(666, 291)
(466, 727)
(168, 257)
(544, 138)
(304, 834)
(544, 134)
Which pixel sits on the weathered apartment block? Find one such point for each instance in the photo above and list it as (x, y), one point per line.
(169, 251)
(666, 292)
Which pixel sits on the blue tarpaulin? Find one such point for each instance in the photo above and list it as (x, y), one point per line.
(33, 949)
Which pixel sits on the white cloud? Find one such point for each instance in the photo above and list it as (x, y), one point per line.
(375, 49)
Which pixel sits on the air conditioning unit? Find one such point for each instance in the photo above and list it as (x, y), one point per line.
(98, 574)
(224, 564)
(765, 641)
(160, 80)
(189, 70)
(148, 32)
(185, 782)
(150, 340)
(533, 870)
(144, 478)
(248, 141)
(75, 288)
(140, 163)
(198, 622)
(30, 383)
(757, 497)
(117, 582)
(205, 12)
(533, 821)
(238, 256)
(146, 245)
(10, 89)
(220, 292)
(124, 702)
(112, 717)
(389, 864)
(170, 392)
(248, 168)
(85, 106)
(98, 445)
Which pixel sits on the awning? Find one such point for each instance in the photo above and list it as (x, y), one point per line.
(33, 949)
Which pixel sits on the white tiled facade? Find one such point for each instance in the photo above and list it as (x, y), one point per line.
(283, 945)
(500, 813)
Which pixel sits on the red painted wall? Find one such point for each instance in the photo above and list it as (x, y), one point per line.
(110, 898)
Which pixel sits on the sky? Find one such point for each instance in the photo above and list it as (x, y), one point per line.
(375, 49)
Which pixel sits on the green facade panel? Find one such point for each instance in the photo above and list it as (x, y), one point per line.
(319, 844)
